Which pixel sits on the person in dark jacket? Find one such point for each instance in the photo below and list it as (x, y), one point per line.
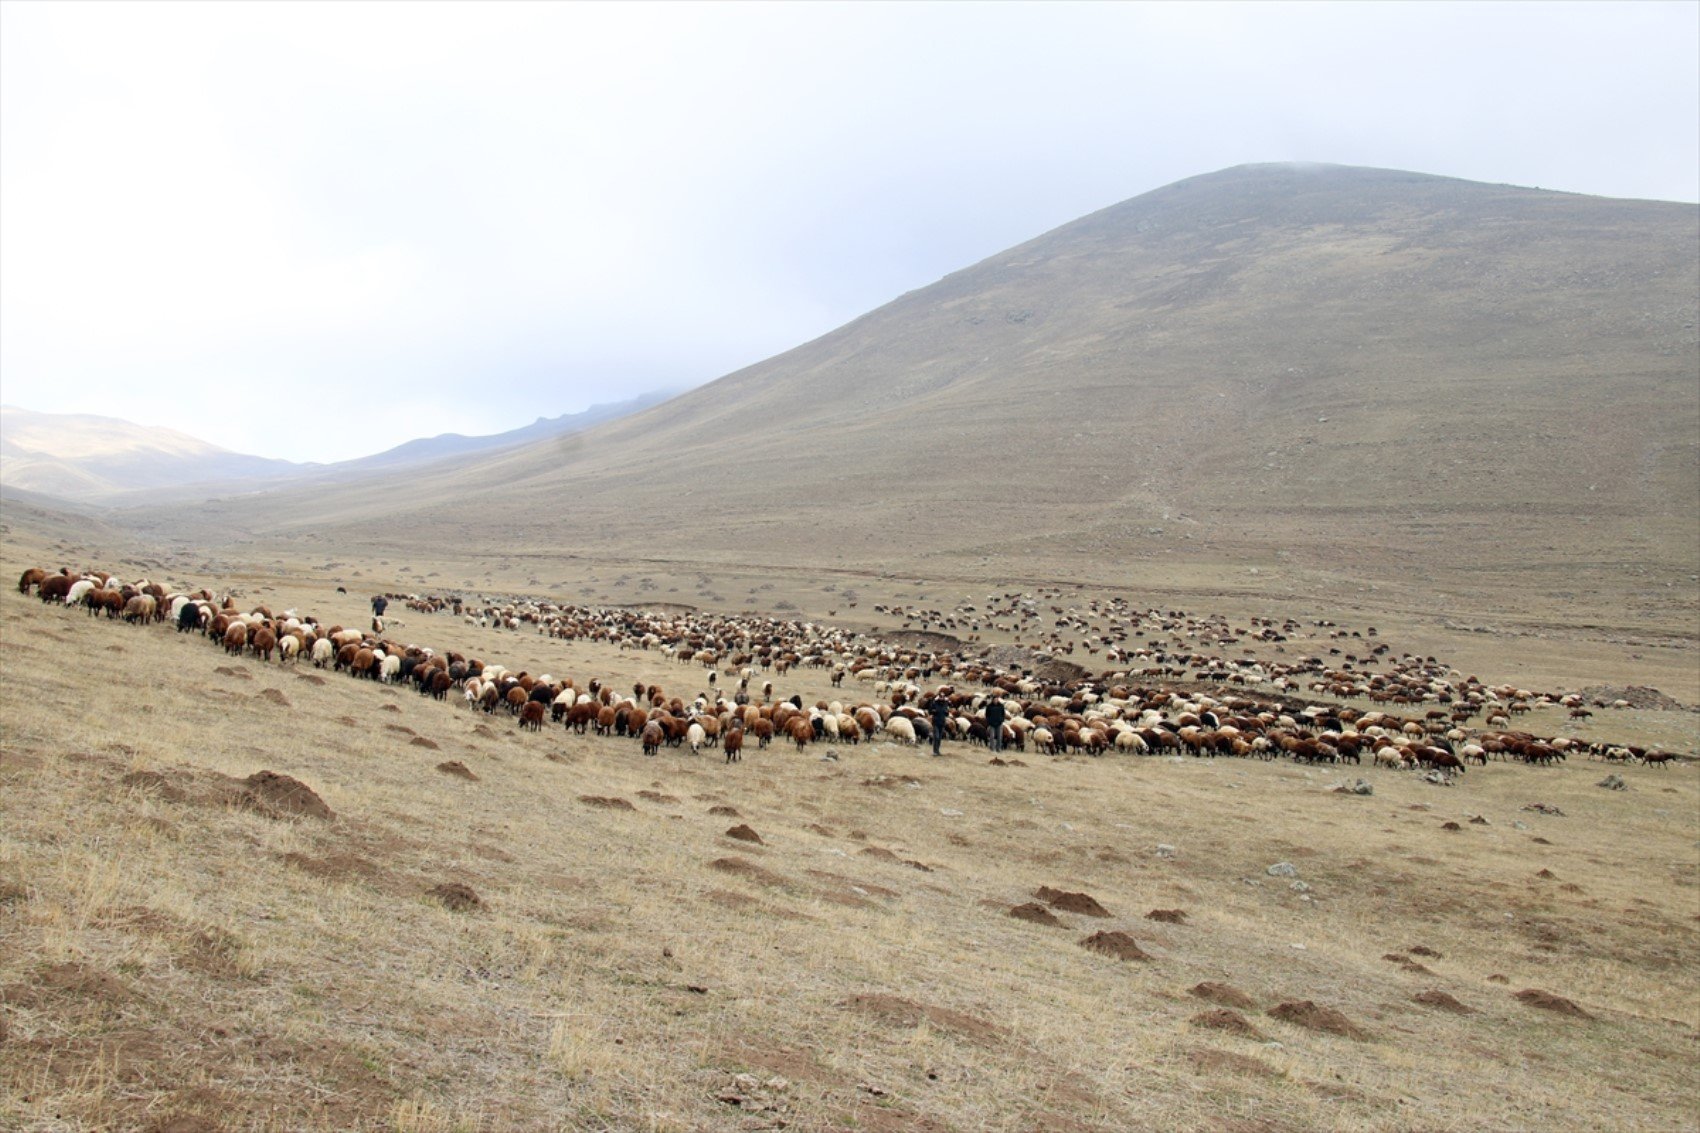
(379, 603)
(994, 723)
(939, 709)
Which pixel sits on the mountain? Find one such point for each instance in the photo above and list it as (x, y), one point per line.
(1345, 372)
(86, 459)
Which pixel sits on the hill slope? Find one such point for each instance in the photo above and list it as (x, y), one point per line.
(1346, 370)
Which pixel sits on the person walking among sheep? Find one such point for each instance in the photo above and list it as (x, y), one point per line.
(994, 723)
(939, 709)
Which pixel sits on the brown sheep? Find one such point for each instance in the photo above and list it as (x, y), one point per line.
(733, 744)
(531, 715)
(30, 578)
(262, 641)
(653, 736)
(236, 637)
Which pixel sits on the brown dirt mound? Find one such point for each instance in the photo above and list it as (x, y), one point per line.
(1035, 912)
(1118, 945)
(402, 728)
(87, 987)
(273, 695)
(1450, 826)
(747, 869)
(907, 1013)
(724, 811)
(1638, 696)
(159, 784)
(332, 867)
(276, 794)
(1226, 994)
(1226, 1019)
(879, 852)
(1442, 1000)
(457, 897)
(1424, 950)
(227, 671)
(310, 678)
(457, 768)
(1313, 1016)
(421, 741)
(658, 797)
(1083, 903)
(1167, 916)
(606, 802)
(745, 834)
(1547, 1001)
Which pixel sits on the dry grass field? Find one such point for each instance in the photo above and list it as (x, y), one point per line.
(485, 930)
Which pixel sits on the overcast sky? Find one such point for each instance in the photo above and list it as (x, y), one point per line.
(315, 231)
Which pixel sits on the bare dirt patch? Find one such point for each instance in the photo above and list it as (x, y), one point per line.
(1167, 916)
(901, 1012)
(607, 802)
(458, 769)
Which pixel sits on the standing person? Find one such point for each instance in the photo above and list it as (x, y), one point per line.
(939, 709)
(994, 723)
(379, 604)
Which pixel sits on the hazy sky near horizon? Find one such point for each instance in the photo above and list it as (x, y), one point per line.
(315, 231)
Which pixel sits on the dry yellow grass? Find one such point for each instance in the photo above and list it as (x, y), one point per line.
(172, 955)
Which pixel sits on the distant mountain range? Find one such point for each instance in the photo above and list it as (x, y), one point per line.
(87, 459)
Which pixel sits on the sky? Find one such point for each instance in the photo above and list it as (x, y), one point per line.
(315, 231)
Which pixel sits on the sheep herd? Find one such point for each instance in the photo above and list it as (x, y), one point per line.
(1138, 708)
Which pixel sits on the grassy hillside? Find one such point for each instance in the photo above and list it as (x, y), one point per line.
(1347, 376)
(474, 934)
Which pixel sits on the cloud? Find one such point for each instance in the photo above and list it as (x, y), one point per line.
(235, 219)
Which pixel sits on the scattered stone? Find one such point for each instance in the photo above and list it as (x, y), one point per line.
(1543, 808)
(1547, 1001)
(457, 897)
(1167, 916)
(1282, 869)
(744, 834)
(1300, 887)
(1438, 778)
(1164, 850)
(1613, 783)
(1361, 787)
(1118, 945)
(1478, 820)
(456, 768)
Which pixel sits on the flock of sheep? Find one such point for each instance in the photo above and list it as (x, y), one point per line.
(1254, 711)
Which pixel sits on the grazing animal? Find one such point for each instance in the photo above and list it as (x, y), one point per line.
(733, 743)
